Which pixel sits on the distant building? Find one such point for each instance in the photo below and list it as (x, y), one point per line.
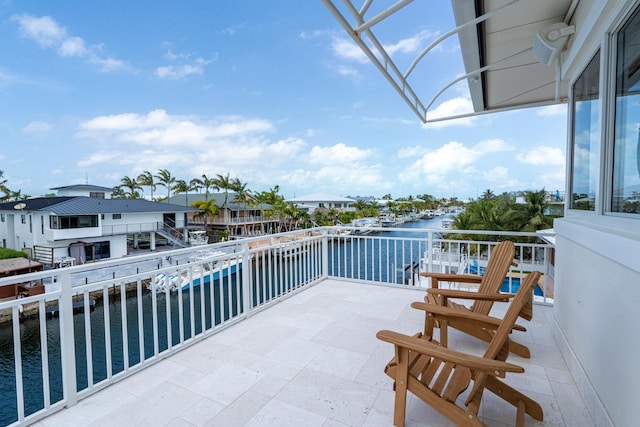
(93, 191)
(314, 201)
(239, 218)
(85, 224)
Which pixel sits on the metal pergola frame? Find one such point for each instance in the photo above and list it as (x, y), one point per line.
(385, 64)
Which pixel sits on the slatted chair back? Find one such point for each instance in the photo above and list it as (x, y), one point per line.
(500, 259)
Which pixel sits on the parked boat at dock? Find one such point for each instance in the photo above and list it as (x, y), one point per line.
(206, 265)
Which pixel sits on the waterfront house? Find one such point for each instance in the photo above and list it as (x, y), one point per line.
(311, 202)
(239, 218)
(544, 52)
(83, 223)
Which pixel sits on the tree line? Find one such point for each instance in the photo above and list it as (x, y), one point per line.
(488, 212)
(501, 213)
(7, 194)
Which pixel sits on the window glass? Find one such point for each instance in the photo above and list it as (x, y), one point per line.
(626, 146)
(81, 221)
(586, 137)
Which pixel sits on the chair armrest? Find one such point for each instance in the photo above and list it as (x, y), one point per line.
(444, 277)
(447, 313)
(475, 363)
(454, 293)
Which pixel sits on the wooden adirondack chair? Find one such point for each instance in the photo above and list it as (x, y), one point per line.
(490, 283)
(438, 375)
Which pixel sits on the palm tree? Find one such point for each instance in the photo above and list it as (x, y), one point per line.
(3, 186)
(145, 179)
(293, 215)
(17, 195)
(488, 195)
(118, 193)
(204, 182)
(361, 205)
(240, 188)
(486, 214)
(166, 180)
(181, 186)
(207, 209)
(270, 197)
(132, 185)
(223, 183)
(530, 217)
(273, 199)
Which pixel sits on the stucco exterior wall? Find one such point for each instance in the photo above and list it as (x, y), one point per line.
(597, 307)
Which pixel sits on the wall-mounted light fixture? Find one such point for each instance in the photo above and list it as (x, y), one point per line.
(550, 41)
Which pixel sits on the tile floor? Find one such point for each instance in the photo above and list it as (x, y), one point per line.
(314, 360)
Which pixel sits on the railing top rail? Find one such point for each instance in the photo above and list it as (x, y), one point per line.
(544, 233)
(236, 245)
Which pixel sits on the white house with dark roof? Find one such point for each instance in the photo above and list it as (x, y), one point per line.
(55, 229)
(314, 201)
(94, 191)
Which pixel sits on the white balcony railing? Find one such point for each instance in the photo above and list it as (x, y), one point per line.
(137, 310)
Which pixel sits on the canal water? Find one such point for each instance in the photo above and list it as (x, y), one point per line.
(30, 330)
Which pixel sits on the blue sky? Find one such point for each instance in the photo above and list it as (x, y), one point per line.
(271, 92)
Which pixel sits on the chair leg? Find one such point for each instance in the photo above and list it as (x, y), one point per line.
(520, 414)
(402, 374)
(515, 397)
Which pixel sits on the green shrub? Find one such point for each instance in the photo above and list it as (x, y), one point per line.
(6, 253)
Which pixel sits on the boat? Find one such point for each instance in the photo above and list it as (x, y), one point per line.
(209, 265)
(364, 225)
(198, 238)
(447, 223)
(387, 220)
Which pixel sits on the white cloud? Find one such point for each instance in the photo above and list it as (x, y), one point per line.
(347, 49)
(495, 145)
(410, 44)
(44, 31)
(125, 121)
(73, 46)
(108, 64)
(37, 127)
(497, 174)
(103, 157)
(50, 35)
(311, 35)
(552, 110)
(173, 72)
(434, 165)
(191, 65)
(232, 30)
(244, 147)
(337, 154)
(348, 71)
(450, 108)
(542, 155)
(411, 152)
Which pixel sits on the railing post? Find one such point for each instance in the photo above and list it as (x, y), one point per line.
(67, 341)
(325, 254)
(246, 279)
(429, 254)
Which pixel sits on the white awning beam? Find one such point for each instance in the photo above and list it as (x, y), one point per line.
(378, 55)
